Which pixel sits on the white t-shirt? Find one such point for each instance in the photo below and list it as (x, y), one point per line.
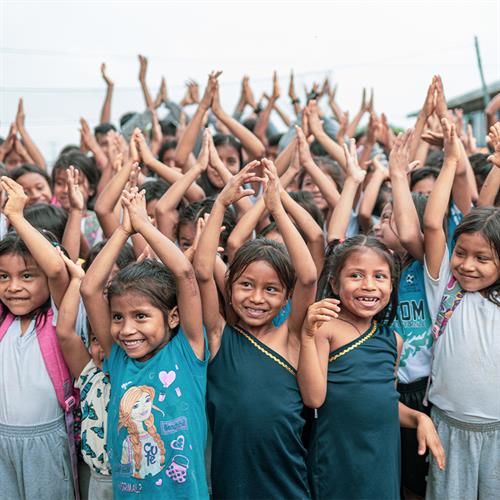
(27, 396)
(466, 366)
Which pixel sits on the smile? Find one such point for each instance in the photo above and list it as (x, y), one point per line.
(255, 313)
(132, 344)
(368, 301)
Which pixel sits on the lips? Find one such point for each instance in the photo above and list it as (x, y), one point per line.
(132, 344)
(255, 312)
(367, 301)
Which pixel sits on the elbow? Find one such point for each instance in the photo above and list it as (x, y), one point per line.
(313, 398)
(180, 160)
(202, 271)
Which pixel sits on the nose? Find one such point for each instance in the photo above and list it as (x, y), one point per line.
(128, 328)
(14, 285)
(369, 283)
(467, 264)
(257, 296)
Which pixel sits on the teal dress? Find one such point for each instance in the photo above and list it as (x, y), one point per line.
(355, 438)
(255, 412)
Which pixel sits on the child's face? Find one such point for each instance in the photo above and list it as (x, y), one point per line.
(23, 286)
(150, 208)
(387, 231)
(231, 160)
(474, 262)
(187, 233)
(36, 188)
(310, 186)
(424, 185)
(96, 352)
(258, 295)
(137, 326)
(169, 158)
(61, 188)
(364, 285)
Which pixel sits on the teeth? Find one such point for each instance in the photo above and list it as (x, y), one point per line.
(132, 343)
(367, 299)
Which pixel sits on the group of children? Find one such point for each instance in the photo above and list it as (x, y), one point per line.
(309, 315)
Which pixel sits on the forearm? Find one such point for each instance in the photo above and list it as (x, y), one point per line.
(32, 149)
(339, 115)
(490, 188)
(406, 217)
(204, 259)
(251, 144)
(416, 141)
(106, 107)
(303, 219)
(72, 234)
(369, 200)
(332, 148)
(285, 157)
(107, 200)
(339, 221)
(263, 120)
(408, 418)
(366, 154)
(188, 139)
(312, 382)
(147, 96)
(352, 127)
(463, 186)
(284, 117)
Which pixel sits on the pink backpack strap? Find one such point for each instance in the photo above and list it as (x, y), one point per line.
(5, 325)
(63, 384)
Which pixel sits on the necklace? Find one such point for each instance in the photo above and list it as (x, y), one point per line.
(352, 324)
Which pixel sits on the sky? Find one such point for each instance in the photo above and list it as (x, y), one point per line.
(50, 53)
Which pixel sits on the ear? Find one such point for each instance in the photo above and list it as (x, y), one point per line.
(173, 318)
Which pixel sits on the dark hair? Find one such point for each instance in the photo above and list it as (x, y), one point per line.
(250, 123)
(485, 221)
(125, 118)
(190, 214)
(83, 164)
(329, 167)
(435, 159)
(165, 147)
(150, 279)
(274, 140)
(306, 201)
(47, 217)
(229, 140)
(104, 128)
(168, 128)
(69, 148)
(336, 255)
(422, 173)
(481, 167)
(14, 245)
(317, 149)
(125, 257)
(154, 190)
(270, 251)
(270, 228)
(29, 169)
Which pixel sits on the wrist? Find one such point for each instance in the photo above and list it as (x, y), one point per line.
(76, 210)
(294, 100)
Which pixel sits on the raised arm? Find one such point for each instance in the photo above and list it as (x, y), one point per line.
(489, 191)
(106, 107)
(188, 139)
(365, 106)
(188, 295)
(339, 221)
(72, 232)
(251, 144)
(423, 116)
(264, 116)
(74, 351)
(302, 261)
(437, 205)
(293, 96)
(204, 259)
(91, 143)
(333, 149)
(314, 350)
(28, 142)
(143, 67)
(324, 182)
(94, 283)
(42, 251)
(405, 213)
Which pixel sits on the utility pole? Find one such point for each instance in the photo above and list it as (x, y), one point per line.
(486, 96)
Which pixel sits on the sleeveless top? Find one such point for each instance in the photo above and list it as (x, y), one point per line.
(255, 412)
(355, 447)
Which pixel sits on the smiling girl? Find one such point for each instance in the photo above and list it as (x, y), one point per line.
(149, 326)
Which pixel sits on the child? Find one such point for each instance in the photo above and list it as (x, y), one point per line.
(156, 415)
(37, 455)
(93, 383)
(463, 296)
(347, 367)
(254, 404)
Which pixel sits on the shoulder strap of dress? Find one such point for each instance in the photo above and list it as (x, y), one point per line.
(6, 324)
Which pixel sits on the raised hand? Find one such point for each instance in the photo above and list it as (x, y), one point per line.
(494, 136)
(247, 92)
(352, 165)
(373, 128)
(204, 155)
(105, 75)
(16, 200)
(399, 159)
(430, 99)
(314, 121)
(318, 313)
(291, 87)
(276, 87)
(272, 187)
(134, 202)
(76, 200)
(452, 150)
(235, 190)
(305, 156)
(206, 100)
(143, 67)
(75, 270)
(20, 115)
(441, 107)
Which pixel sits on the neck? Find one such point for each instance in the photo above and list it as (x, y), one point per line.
(257, 331)
(361, 324)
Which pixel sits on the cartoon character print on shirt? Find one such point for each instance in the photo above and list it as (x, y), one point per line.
(143, 448)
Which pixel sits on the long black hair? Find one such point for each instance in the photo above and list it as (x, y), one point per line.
(336, 255)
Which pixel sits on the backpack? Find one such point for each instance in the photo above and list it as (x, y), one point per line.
(452, 296)
(60, 378)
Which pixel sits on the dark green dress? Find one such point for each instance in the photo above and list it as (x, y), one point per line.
(255, 413)
(355, 443)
